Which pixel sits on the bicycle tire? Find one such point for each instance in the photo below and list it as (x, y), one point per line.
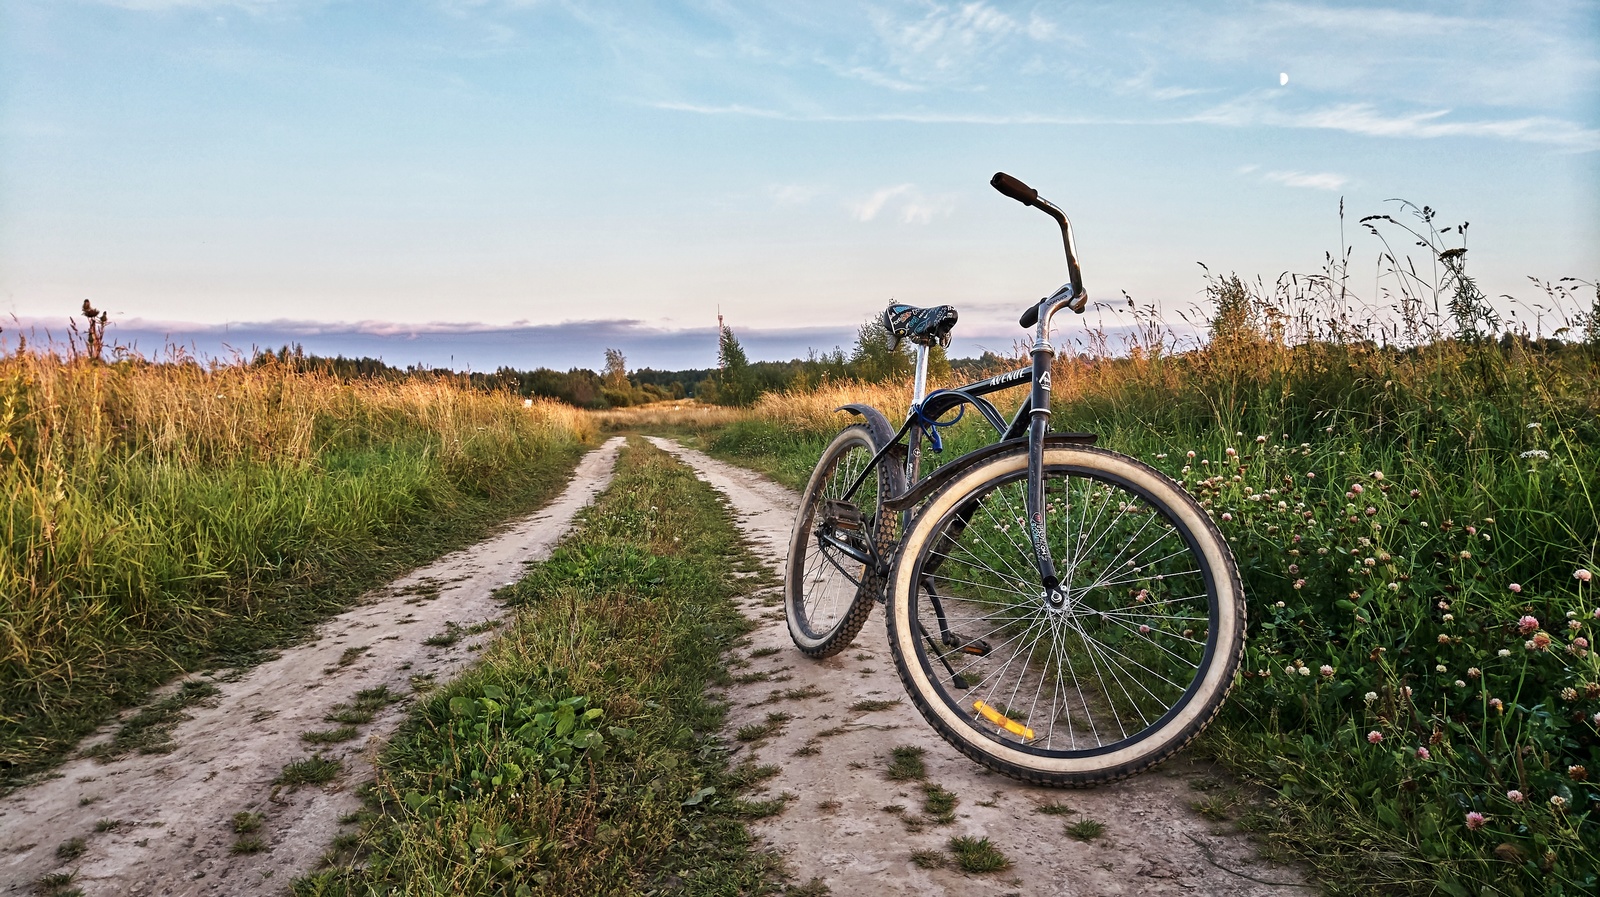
(1119, 677)
(827, 594)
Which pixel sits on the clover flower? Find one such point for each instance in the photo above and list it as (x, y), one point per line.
(1372, 696)
(1557, 802)
(1374, 737)
(1582, 575)
(1528, 625)
(1476, 820)
(1516, 588)
(1422, 754)
(1515, 796)
(1498, 705)
(1326, 671)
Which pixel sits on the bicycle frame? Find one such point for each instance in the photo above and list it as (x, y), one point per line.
(1033, 417)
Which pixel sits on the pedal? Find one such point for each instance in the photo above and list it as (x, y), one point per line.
(842, 514)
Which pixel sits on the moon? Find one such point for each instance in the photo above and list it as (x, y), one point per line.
(1283, 78)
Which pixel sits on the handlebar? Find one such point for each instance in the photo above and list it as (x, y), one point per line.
(1077, 299)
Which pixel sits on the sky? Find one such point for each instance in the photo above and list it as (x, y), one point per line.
(526, 182)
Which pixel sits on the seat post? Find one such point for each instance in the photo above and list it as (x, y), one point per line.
(919, 389)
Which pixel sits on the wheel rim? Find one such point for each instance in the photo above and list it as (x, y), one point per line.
(1102, 665)
(829, 577)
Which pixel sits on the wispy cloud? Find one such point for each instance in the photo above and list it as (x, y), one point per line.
(793, 194)
(910, 205)
(1364, 118)
(1319, 181)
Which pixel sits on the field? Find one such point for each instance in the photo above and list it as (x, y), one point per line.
(1416, 526)
(159, 518)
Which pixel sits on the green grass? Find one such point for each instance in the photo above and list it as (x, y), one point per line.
(1085, 830)
(313, 770)
(938, 804)
(977, 854)
(148, 731)
(905, 764)
(329, 736)
(582, 755)
(167, 518)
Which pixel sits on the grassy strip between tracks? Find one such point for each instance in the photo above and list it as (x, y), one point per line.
(581, 756)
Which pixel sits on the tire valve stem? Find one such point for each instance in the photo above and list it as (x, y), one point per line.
(1003, 721)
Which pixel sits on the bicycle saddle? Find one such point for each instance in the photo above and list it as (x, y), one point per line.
(923, 326)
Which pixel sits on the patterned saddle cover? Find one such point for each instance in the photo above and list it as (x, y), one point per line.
(923, 326)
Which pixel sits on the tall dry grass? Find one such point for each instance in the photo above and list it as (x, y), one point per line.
(157, 513)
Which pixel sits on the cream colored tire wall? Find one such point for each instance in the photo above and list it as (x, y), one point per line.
(1215, 679)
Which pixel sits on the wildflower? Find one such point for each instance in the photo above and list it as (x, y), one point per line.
(1557, 802)
(1305, 671)
(1536, 454)
(1460, 684)
(1578, 773)
(1515, 796)
(1374, 737)
(1190, 455)
(1466, 555)
(1371, 696)
(1473, 672)
(1582, 575)
(1569, 694)
(1161, 456)
(1294, 568)
(1299, 583)
(1288, 670)
(1476, 820)
(1440, 668)
(1356, 489)
(1260, 439)
(1416, 493)
(1231, 453)
(1280, 605)
(1377, 475)
(1227, 518)
(1449, 617)
(1539, 642)
(1422, 754)
(1311, 475)
(1405, 691)
(1144, 629)
(1504, 652)
(1498, 705)
(1443, 640)
(1516, 588)
(1528, 624)
(1371, 510)
(1574, 625)
(1322, 550)
(1595, 719)
(1326, 671)
(1534, 426)
(1370, 562)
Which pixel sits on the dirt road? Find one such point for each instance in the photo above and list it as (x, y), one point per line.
(850, 826)
(163, 824)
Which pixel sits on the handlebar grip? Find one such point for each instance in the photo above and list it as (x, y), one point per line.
(1014, 188)
(1030, 317)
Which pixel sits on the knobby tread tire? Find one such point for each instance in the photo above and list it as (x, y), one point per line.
(1187, 516)
(844, 632)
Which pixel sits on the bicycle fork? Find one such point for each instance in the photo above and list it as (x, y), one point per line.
(1034, 502)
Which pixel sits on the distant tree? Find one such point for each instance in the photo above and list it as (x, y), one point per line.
(1235, 321)
(616, 370)
(735, 385)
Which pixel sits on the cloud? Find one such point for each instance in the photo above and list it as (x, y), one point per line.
(1366, 119)
(1320, 181)
(911, 205)
(793, 194)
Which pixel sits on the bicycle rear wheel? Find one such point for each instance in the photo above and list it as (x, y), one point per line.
(829, 585)
(1126, 669)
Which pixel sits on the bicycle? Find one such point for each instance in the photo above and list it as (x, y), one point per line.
(1059, 613)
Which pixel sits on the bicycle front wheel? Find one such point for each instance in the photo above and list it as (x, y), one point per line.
(831, 583)
(1117, 671)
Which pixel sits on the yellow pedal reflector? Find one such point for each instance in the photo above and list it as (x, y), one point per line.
(1003, 721)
